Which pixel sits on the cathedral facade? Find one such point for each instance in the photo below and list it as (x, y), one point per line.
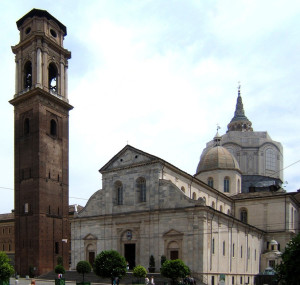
(220, 228)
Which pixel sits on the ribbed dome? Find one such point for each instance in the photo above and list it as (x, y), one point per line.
(217, 157)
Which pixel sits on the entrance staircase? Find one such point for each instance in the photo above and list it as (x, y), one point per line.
(94, 279)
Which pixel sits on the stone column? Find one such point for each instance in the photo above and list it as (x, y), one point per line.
(39, 68)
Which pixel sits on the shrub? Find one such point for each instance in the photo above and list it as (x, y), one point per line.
(110, 264)
(6, 270)
(174, 269)
(59, 269)
(163, 258)
(83, 267)
(59, 260)
(139, 271)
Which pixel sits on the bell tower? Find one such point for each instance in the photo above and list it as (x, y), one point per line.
(41, 140)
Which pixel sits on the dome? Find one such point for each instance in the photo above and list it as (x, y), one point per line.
(273, 242)
(217, 157)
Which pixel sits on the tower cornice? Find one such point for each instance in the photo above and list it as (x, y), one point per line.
(41, 39)
(40, 92)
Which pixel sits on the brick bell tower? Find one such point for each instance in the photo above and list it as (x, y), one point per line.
(41, 138)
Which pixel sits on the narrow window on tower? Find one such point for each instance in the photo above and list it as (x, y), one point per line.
(26, 126)
(28, 75)
(53, 128)
(53, 78)
(56, 248)
(210, 182)
(226, 184)
(26, 208)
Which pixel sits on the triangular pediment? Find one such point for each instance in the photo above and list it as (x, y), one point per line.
(89, 237)
(172, 233)
(127, 157)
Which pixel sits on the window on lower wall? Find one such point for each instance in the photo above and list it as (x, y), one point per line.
(244, 215)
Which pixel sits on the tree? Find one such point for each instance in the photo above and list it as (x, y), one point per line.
(59, 269)
(163, 258)
(151, 264)
(59, 260)
(83, 267)
(174, 269)
(110, 264)
(6, 270)
(140, 272)
(288, 272)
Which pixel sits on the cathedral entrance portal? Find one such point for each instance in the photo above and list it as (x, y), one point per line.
(129, 253)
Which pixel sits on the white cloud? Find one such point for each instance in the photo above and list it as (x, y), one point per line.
(161, 75)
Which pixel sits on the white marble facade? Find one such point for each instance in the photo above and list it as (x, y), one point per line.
(148, 206)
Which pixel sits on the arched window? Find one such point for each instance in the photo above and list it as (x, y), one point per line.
(204, 200)
(141, 185)
(221, 208)
(53, 78)
(182, 189)
(53, 128)
(226, 185)
(28, 75)
(194, 196)
(238, 186)
(270, 159)
(26, 126)
(119, 192)
(210, 182)
(213, 204)
(244, 216)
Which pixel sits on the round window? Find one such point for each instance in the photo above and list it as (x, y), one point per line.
(53, 33)
(28, 30)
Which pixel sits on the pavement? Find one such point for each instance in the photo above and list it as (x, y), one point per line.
(25, 281)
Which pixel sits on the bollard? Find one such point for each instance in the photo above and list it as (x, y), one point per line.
(16, 282)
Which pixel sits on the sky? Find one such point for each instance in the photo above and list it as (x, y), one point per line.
(160, 75)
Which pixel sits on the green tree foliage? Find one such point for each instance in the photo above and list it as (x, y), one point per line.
(140, 272)
(83, 267)
(174, 269)
(163, 258)
(151, 261)
(288, 272)
(59, 260)
(110, 264)
(59, 269)
(6, 270)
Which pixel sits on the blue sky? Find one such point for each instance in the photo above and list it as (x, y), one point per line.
(160, 75)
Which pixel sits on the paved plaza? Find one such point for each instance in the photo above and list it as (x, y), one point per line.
(24, 281)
